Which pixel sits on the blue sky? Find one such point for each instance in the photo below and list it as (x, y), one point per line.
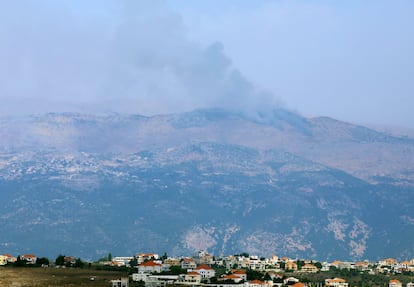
(351, 60)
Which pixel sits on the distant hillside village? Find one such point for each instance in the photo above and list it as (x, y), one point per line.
(242, 270)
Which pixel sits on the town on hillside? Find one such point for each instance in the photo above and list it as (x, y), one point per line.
(240, 270)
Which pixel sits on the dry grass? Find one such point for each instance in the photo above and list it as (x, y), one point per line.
(52, 277)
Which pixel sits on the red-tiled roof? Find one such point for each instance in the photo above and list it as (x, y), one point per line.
(203, 266)
(149, 263)
(239, 271)
(298, 284)
(231, 276)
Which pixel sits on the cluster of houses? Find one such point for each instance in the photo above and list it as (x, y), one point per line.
(198, 270)
(7, 259)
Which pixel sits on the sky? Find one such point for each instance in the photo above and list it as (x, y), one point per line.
(350, 60)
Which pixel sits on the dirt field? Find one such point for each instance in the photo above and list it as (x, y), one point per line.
(52, 277)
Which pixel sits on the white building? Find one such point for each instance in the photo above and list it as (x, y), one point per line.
(121, 282)
(336, 282)
(149, 267)
(205, 271)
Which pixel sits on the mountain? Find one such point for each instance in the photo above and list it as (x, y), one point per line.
(227, 182)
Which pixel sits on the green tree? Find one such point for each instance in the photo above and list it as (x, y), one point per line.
(42, 261)
(133, 262)
(318, 264)
(254, 275)
(60, 260)
(177, 270)
(19, 262)
(79, 263)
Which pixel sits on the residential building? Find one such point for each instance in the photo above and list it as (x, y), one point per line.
(3, 260)
(291, 265)
(121, 282)
(10, 258)
(309, 268)
(30, 258)
(336, 282)
(256, 264)
(121, 260)
(161, 280)
(336, 263)
(298, 284)
(172, 261)
(203, 257)
(142, 257)
(140, 276)
(192, 277)
(274, 260)
(205, 271)
(70, 260)
(188, 263)
(362, 266)
(149, 267)
(256, 283)
(388, 262)
(290, 281)
(240, 273)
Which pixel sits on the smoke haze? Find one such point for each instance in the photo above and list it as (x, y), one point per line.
(112, 56)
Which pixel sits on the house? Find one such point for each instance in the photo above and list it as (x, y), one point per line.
(298, 284)
(188, 263)
(69, 260)
(336, 282)
(240, 273)
(3, 260)
(256, 264)
(149, 267)
(121, 282)
(394, 283)
(140, 276)
(10, 258)
(161, 280)
(291, 265)
(121, 260)
(29, 258)
(336, 263)
(205, 271)
(274, 260)
(204, 257)
(362, 266)
(142, 257)
(256, 283)
(388, 262)
(290, 281)
(192, 277)
(172, 261)
(309, 268)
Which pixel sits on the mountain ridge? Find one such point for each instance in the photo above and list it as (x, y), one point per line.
(212, 179)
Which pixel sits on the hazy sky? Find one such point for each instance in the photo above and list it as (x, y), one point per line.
(351, 60)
